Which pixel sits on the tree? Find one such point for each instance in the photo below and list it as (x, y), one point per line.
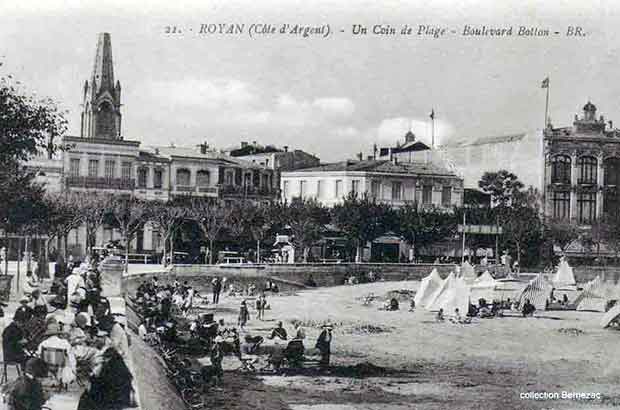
(248, 219)
(63, 217)
(93, 209)
(306, 218)
(168, 217)
(361, 219)
(129, 215)
(212, 217)
(522, 228)
(562, 233)
(422, 228)
(501, 185)
(609, 229)
(26, 126)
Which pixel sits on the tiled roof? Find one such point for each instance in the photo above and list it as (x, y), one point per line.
(190, 152)
(383, 166)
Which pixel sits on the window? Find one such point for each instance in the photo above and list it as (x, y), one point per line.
(587, 170)
(375, 189)
(93, 168)
(110, 169)
(183, 177)
(560, 169)
(586, 208)
(611, 201)
(143, 174)
(397, 189)
(355, 187)
(203, 178)
(126, 170)
(612, 171)
(74, 167)
(338, 188)
(158, 178)
(446, 196)
(229, 177)
(285, 189)
(247, 179)
(561, 204)
(302, 189)
(319, 189)
(427, 194)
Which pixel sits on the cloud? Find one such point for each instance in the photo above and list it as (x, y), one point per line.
(335, 106)
(209, 94)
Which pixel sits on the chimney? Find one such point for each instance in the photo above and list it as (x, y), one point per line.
(203, 147)
(244, 144)
(611, 125)
(285, 148)
(254, 143)
(370, 157)
(360, 156)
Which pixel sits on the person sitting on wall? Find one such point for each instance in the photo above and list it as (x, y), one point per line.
(310, 282)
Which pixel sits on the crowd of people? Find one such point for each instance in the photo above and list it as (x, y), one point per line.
(201, 334)
(91, 346)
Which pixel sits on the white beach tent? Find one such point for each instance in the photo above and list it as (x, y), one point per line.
(483, 288)
(564, 277)
(611, 315)
(538, 292)
(509, 288)
(455, 297)
(435, 298)
(467, 272)
(428, 287)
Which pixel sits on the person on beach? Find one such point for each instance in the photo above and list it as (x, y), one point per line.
(244, 315)
(261, 305)
(323, 343)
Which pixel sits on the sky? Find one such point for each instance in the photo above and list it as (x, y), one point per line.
(333, 96)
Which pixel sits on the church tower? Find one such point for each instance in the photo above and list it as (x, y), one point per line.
(101, 115)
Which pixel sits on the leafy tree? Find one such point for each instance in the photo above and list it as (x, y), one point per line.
(168, 217)
(212, 217)
(27, 127)
(610, 232)
(501, 185)
(362, 219)
(422, 228)
(306, 218)
(129, 215)
(561, 233)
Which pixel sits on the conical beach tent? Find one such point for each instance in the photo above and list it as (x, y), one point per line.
(538, 292)
(456, 296)
(467, 272)
(564, 276)
(483, 288)
(509, 289)
(593, 297)
(437, 298)
(428, 287)
(611, 315)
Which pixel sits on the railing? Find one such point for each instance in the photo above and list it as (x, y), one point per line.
(207, 190)
(100, 182)
(236, 190)
(185, 188)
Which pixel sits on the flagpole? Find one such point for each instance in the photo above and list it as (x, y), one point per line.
(547, 106)
(433, 129)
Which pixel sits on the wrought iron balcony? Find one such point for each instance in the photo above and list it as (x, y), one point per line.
(100, 182)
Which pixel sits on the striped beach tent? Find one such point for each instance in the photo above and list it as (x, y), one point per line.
(428, 287)
(538, 292)
(593, 297)
(611, 315)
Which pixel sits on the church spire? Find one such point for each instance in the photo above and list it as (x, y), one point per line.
(101, 116)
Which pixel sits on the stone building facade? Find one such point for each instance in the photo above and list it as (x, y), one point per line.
(391, 182)
(582, 170)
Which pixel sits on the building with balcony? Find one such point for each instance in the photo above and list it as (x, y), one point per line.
(392, 182)
(582, 171)
(101, 160)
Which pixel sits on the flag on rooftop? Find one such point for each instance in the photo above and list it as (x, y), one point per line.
(432, 114)
(545, 83)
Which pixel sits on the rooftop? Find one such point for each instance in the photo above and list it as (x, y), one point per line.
(382, 166)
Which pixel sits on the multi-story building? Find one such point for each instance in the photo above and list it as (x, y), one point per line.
(101, 160)
(582, 172)
(392, 182)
